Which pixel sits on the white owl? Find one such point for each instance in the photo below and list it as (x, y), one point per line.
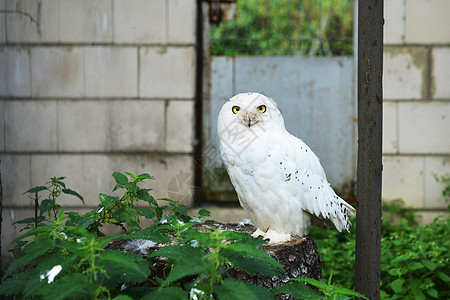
(278, 179)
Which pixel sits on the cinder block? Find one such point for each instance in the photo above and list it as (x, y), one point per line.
(98, 170)
(427, 217)
(97, 176)
(427, 21)
(2, 23)
(30, 126)
(390, 128)
(403, 178)
(167, 72)
(71, 166)
(111, 71)
(15, 172)
(174, 176)
(181, 21)
(83, 126)
(394, 22)
(32, 21)
(85, 21)
(180, 126)
(140, 21)
(57, 72)
(137, 125)
(424, 127)
(436, 166)
(404, 73)
(15, 72)
(440, 74)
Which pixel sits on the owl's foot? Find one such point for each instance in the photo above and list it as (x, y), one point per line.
(272, 236)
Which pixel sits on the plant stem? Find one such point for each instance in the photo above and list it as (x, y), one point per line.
(36, 208)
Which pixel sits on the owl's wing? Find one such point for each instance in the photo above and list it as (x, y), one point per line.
(306, 179)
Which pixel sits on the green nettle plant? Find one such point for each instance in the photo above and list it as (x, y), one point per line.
(62, 255)
(414, 259)
(445, 179)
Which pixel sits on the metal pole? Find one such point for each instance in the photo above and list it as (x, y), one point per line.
(370, 104)
(1, 220)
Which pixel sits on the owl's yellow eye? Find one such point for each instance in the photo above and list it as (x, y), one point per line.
(236, 109)
(261, 108)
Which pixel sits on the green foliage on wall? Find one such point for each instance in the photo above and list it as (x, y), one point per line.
(286, 27)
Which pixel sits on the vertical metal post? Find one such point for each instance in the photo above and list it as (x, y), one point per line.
(197, 153)
(1, 220)
(370, 104)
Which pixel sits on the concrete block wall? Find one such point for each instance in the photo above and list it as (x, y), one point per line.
(92, 87)
(416, 87)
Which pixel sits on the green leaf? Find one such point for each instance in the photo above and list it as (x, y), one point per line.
(128, 215)
(188, 261)
(32, 250)
(124, 267)
(73, 193)
(185, 268)
(46, 205)
(30, 220)
(253, 252)
(107, 200)
(149, 234)
(394, 272)
(397, 285)
(122, 297)
(36, 189)
(144, 176)
(34, 231)
(146, 212)
(143, 195)
(120, 178)
(243, 238)
(415, 266)
(204, 213)
(238, 290)
(58, 181)
(311, 281)
(72, 286)
(429, 265)
(20, 283)
(131, 175)
(172, 293)
(297, 290)
(249, 264)
(347, 292)
(83, 221)
(444, 277)
(433, 293)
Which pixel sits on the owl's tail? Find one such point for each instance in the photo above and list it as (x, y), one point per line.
(342, 218)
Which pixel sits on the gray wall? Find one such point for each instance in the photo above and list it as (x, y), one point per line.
(92, 87)
(416, 78)
(315, 96)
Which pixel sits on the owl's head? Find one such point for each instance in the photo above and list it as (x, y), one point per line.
(252, 111)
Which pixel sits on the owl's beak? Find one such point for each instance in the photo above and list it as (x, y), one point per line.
(250, 119)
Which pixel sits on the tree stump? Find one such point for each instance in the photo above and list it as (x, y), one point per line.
(299, 258)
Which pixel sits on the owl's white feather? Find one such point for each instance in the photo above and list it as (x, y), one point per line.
(278, 179)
